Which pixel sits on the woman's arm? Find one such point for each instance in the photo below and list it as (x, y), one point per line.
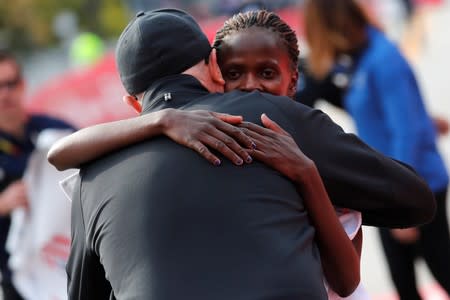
(198, 130)
(276, 148)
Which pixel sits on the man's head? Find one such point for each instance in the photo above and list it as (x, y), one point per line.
(164, 42)
(12, 94)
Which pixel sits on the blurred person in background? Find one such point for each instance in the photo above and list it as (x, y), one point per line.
(366, 74)
(18, 131)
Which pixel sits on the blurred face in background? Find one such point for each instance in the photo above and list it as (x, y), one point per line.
(256, 59)
(12, 93)
(333, 28)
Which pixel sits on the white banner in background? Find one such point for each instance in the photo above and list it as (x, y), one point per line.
(39, 238)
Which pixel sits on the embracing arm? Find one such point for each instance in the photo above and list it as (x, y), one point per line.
(340, 259)
(386, 192)
(198, 130)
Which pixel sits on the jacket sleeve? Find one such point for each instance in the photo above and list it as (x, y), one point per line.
(386, 192)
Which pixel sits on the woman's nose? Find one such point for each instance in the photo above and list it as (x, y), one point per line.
(250, 83)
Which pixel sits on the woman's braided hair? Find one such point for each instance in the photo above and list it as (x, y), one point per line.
(262, 19)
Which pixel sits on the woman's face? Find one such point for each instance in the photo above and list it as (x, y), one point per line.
(255, 59)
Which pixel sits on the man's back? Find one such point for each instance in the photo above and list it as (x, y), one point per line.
(159, 222)
(168, 225)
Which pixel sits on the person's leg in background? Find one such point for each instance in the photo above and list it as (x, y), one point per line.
(8, 289)
(434, 243)
(10, 292)
(400, 260)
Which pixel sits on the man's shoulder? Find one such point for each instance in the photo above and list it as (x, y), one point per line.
(286, 112)
(256, 95)
(257, 100)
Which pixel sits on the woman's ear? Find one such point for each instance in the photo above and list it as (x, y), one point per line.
(133, 102)
(214, 69)
(293, 84)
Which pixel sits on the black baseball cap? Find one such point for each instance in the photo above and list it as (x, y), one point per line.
(156, 44)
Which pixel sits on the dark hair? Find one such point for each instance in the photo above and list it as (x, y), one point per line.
(262, 19)
(5, 55)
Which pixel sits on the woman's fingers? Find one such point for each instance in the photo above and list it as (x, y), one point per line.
(256, 128)
(201, 149)
(237, 134)
(232, 119)
(272, 125)
(224, 145)
(215, 131)
(206, 131)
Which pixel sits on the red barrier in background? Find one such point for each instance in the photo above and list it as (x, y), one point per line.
(94, 95)
(84, 97)
(429, 2)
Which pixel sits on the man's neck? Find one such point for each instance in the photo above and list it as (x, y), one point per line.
(202, 73)
(172, 91)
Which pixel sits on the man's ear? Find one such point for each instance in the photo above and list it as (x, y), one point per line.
(214, 70)
(293, 84)
(130, 100)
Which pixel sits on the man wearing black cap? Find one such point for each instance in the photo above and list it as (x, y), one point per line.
(155, 221)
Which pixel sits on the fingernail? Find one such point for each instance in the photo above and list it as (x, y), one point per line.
(253, 145)
(239, 162)
(217, 162)
(249, 159)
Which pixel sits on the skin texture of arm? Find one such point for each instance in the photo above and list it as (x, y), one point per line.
(340, 259)
(198, 130)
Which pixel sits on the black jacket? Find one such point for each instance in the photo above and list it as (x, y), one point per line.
(160, 222)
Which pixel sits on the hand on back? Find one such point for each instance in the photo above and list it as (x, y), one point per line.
(204, 131)
(277, 149)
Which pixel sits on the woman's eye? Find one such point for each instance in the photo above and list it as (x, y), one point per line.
(233, 74)
(268, 73)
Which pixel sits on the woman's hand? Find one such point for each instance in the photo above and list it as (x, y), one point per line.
(277, 149)
(203, 130)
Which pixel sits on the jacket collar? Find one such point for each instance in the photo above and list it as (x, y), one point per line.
(172, 91)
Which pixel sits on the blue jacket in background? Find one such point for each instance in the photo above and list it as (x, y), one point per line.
(385, 102)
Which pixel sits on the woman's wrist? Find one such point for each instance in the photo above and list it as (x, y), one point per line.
(163, 122)
(305, 176)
